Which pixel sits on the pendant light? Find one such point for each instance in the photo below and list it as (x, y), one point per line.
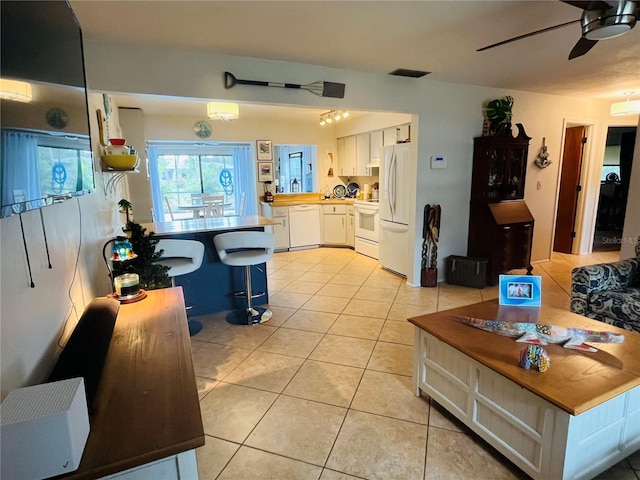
(223, 111)
(628, 107)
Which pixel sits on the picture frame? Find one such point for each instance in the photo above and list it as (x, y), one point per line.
(265, 171)
(520, 290)
(264, 150)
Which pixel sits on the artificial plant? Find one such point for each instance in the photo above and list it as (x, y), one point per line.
(126, 208)
(152, 274)
(498, 113)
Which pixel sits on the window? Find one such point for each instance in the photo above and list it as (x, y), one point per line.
(180, 170)
(294, 166)
(65, 165)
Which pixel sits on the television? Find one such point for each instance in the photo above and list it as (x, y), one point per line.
(46, 155)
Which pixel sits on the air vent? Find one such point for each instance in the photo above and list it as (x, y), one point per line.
(405, 72)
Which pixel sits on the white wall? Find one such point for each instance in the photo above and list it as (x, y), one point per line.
(34, 321)
(446, 118)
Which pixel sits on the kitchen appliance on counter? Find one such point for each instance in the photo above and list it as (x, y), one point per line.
(366, 227)
(394, 208)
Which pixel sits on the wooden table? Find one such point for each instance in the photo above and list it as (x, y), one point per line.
(146, 414)
(573, 421)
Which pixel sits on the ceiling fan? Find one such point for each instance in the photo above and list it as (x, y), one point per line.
(600, 20)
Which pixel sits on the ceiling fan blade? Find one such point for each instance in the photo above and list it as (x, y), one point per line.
(582, 47)
(588, 5)
(530, 34)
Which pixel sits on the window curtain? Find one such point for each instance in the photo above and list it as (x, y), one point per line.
(19, 170)
(245, 181)
(154, 177)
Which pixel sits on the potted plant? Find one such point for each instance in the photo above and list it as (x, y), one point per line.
(126, 208)
(498, 114)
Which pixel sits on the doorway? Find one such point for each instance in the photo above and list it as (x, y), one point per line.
(614, 188)
(574, 142)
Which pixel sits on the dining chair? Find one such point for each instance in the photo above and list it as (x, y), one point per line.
(213, 205)
(196, 198)
(169, 209)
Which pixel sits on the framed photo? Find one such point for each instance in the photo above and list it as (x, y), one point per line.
(520, 290)
(265, 171)
(263, 150)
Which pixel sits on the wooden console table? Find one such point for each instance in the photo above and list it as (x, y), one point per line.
(574, 421)
(145, 421)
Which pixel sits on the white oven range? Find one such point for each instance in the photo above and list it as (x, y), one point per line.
(367, 227)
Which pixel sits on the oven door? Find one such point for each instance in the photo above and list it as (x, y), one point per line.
(367, 220)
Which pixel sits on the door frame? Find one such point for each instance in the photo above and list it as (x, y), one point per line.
(585, 219)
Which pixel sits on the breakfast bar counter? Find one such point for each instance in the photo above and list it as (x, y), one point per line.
(211, 288)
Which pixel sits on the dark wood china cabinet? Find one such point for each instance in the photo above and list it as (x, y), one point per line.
(500, 223)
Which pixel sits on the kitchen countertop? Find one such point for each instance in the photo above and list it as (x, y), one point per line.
(207, 225)
(288, 199)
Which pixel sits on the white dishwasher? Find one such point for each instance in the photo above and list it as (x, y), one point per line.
(304, 226)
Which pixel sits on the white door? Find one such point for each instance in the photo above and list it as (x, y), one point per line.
(393, 247)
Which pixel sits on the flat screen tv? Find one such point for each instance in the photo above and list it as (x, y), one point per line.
(46, 154)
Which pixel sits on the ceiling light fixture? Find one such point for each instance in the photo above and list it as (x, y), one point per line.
(15, 90)
(628, 107)
(332, 116)
(223, 111)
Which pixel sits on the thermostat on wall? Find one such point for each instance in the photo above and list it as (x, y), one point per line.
(438, 161)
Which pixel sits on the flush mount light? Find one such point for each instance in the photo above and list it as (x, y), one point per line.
(628, 107)
(15, 90)
(405, 72)
(332, 116)
(222, 111)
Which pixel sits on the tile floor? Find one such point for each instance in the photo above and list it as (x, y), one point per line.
(323, 390)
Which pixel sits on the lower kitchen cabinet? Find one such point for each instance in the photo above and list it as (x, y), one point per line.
(351, 226)
(281, 230)
(334, 223)
(304, 226)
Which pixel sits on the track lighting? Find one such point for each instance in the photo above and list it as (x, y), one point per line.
(332, 116)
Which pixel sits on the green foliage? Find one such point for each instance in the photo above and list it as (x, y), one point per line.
(498, 111)
(152, 275)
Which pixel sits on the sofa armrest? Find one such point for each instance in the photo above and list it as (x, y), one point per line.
(87, 347)
(602, 277)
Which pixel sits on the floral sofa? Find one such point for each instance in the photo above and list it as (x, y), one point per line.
(609, 292)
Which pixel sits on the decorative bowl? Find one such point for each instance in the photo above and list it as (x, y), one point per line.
(120, 162)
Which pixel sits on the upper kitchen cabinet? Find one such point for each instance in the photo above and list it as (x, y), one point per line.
(375, 147)
(362, 154)
(499, 167)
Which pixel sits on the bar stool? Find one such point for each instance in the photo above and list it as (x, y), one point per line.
(244, 249)
(182, 257)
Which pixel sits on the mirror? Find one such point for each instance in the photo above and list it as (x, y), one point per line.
(46, 155)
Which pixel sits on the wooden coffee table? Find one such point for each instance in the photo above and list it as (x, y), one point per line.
(575, 420)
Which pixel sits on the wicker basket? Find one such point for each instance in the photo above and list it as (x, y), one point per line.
(466, 271)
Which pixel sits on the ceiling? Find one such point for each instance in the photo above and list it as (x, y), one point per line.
(379, 36)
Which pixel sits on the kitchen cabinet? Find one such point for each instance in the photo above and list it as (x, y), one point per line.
(351, 226)
(500, 223)
(375, 147)
(334, 224)
(281, 229)
(362, 154)
(348, 159)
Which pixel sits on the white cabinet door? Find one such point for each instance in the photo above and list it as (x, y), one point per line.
(335, 230)
(281, 233)
(339, 162)
(389, 136)
(375, 144)
(334, 225)
(351, 227)
(348, 160)
(362, 154)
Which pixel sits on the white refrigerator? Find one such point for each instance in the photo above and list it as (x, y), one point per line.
(393, 248)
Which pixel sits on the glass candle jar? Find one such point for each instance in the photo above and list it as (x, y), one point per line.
(127, 285)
